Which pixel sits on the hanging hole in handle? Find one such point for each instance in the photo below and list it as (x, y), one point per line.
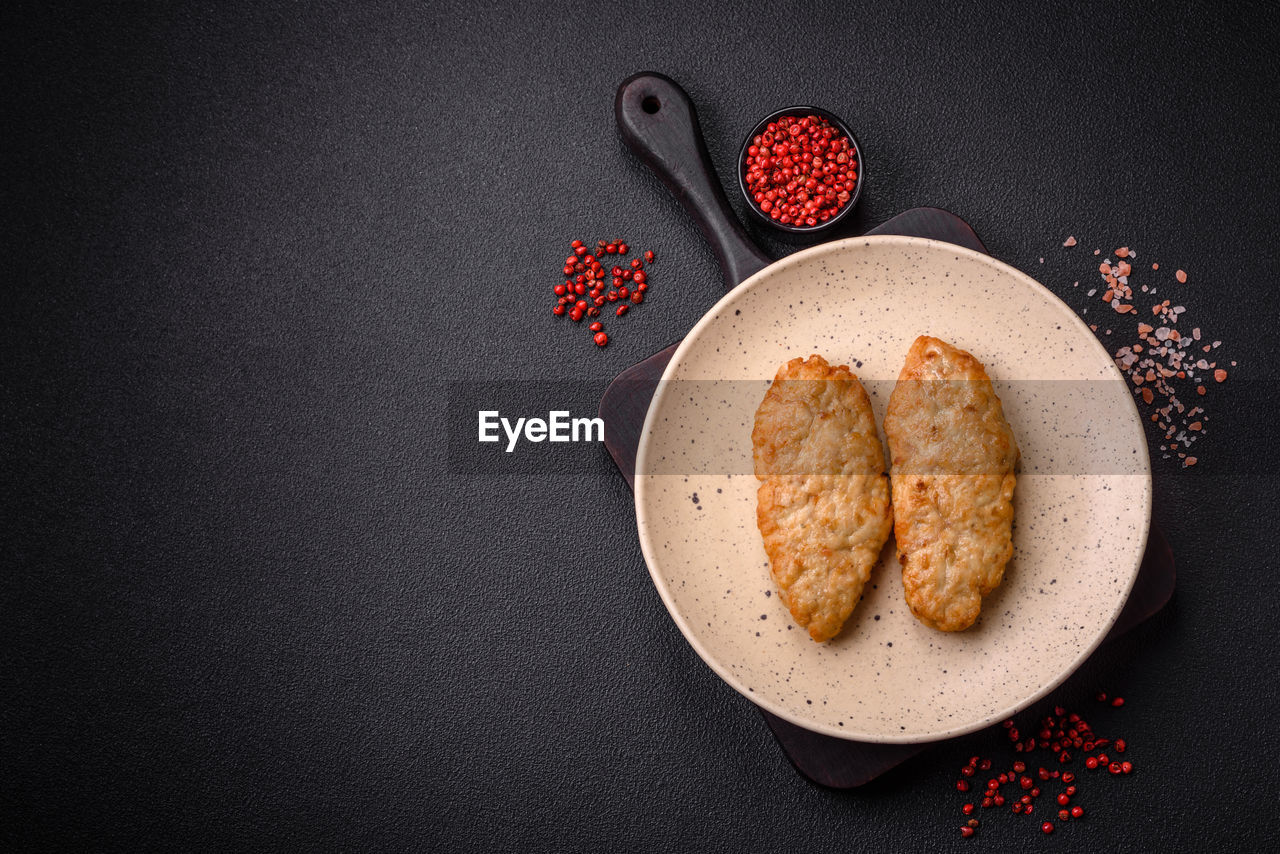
(651, 104)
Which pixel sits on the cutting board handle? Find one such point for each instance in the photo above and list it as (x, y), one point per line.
(660, 126)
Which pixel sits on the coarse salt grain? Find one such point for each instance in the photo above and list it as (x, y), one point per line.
(1160, 357)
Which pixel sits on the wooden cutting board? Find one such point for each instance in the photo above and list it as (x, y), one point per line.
(659, 123)
(834, 762)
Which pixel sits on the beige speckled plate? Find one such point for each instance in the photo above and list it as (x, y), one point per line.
(1082, 505)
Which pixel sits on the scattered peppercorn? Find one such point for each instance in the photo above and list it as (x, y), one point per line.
(585, 277)
(1054, 731)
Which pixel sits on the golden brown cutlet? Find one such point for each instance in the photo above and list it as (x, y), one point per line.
(823, 504)
(953, 456)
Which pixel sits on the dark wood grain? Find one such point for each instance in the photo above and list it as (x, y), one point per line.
(659, 124)
(666, 137)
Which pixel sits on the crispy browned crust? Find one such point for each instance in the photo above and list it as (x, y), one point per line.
(823, 504)
(953, 457)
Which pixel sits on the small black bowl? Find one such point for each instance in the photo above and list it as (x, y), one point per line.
(796, 231)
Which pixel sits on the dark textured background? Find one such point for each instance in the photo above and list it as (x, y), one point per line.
(247, 603)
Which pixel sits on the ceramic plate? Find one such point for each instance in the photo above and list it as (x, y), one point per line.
(1082, 505)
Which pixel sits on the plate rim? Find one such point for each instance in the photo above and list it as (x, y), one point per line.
(641, 481)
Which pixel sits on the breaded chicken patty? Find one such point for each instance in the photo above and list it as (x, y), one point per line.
(953, 456)
(823, 504)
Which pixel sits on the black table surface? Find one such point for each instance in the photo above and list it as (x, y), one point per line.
(258, 260)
